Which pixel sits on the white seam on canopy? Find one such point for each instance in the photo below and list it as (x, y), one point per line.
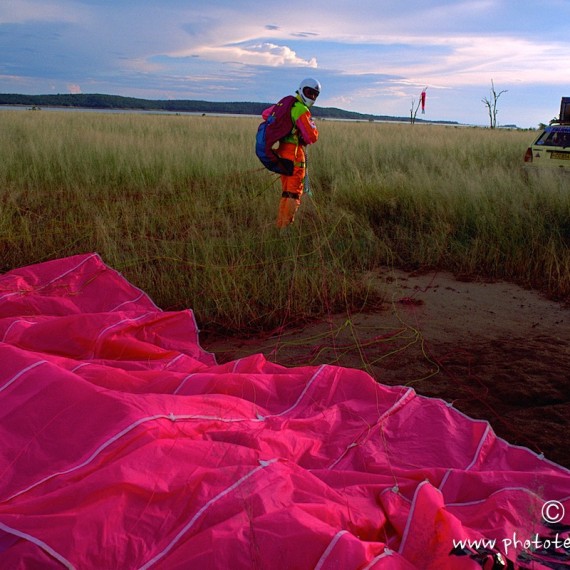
(203, 509)
(21, 373)
(330, 548)
(46, 547)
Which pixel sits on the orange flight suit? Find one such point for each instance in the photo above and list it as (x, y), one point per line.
(292, 147)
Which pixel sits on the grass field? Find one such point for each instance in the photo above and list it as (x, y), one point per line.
(181, 206)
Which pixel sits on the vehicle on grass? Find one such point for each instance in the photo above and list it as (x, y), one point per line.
(551, 148)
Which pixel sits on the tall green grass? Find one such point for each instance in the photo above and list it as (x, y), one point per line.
(457, 198)
(183, 208)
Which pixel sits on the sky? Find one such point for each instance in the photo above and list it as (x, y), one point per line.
(370, 56)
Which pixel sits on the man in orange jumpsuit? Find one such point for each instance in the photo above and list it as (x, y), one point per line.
(292, 147)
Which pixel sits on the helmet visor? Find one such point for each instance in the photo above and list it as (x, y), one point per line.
(310, 93)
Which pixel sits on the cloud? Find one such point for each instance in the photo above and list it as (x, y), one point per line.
(74, 88)
(263, 53)
(475, 60)
(276, 55)
(23, 11)
(305, 35)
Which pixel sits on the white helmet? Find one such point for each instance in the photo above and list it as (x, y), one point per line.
(309, 91)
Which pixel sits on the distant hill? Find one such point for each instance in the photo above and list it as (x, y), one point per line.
(101, 101)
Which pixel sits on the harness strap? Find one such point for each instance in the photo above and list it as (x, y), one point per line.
(292, 195)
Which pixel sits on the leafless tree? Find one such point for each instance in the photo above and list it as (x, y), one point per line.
(491, 104)
(414, 111)
(414, 108)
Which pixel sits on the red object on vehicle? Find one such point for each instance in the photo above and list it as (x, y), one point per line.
(528, 155)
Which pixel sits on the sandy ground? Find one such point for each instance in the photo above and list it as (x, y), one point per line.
(496, 351)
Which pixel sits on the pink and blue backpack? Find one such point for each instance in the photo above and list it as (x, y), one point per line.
(278, 125)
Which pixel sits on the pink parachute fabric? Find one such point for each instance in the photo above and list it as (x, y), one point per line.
(124, 445)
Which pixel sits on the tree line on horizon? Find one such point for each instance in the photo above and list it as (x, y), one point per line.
(102, 101)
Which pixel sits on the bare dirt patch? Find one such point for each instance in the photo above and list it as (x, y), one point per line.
(496, 351)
